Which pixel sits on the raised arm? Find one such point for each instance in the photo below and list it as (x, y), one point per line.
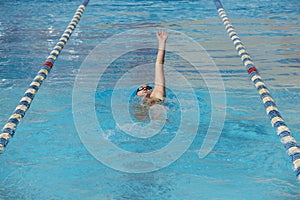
(159, 82)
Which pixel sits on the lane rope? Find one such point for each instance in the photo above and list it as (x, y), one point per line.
(282, 130)
(9, 128)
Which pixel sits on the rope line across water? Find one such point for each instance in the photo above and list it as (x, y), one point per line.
(289, 142)
(9, 128)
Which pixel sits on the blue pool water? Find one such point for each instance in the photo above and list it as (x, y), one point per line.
(47, 159)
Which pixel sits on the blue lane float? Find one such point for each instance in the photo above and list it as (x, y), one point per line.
(9, 128)
(286, 138)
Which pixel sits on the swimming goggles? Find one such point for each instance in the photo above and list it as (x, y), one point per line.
(143, 88)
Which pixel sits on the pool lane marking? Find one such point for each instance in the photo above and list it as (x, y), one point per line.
(286, 138)
(9, 128)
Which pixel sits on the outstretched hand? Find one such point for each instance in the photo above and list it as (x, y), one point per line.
(161, 35)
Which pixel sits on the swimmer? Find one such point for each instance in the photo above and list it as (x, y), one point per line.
(158, 93)
(153, 97)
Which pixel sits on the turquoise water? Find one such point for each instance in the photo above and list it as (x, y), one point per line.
(46, 158)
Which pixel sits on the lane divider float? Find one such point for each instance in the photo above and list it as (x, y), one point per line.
(286, 138)
(9, 128)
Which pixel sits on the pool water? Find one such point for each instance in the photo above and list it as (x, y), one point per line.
(47, 159)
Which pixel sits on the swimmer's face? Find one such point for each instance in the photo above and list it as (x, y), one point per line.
(143, 90)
